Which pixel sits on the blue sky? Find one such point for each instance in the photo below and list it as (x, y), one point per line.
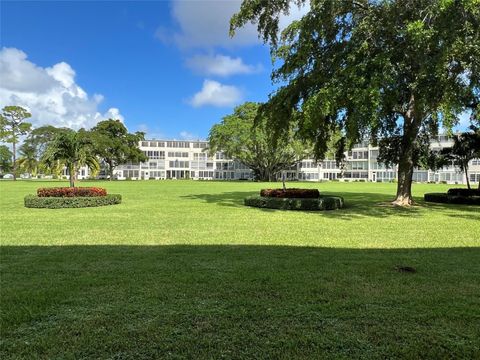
(167, 68)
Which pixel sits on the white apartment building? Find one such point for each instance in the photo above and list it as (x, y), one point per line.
(172, 159)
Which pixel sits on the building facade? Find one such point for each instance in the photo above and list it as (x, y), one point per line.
(171, 159)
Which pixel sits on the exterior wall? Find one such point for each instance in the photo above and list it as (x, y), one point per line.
(182, 160)
(188, 160)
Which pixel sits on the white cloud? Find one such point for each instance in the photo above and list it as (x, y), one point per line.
(50, 94)
(216, 94)
(185, 135)
(150, 134)
(206, 24)
(220, 65)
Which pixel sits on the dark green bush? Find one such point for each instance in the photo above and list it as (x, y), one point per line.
(33, 201)
(452, 199)
(321, 203)
(463, 192)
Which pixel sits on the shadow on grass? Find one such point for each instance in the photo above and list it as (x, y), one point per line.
(243, 301)
(357, 205)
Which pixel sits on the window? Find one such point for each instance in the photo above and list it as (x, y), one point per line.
(178, 154)
(130, 174)
(178, 164)
(199, 156)
(178, 144)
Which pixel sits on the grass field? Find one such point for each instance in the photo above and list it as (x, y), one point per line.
(181, 269)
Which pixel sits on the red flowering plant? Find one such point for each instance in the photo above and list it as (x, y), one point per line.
(71, 192)
(290, 193)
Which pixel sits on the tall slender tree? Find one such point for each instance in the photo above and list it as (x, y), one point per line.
(374, 68)
(13, 125)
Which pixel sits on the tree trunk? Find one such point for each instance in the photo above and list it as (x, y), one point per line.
(270, 176)
(14, 146)
(411, 127)
(466, 176)
(71, 171)
(404, 186)
(110, 169)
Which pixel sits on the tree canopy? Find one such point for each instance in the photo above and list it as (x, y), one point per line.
(114, 145)
(73, 149)
(247, 138)
(375, 69)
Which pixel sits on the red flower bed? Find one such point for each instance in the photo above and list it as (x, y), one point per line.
(71, 192)
(290, 193)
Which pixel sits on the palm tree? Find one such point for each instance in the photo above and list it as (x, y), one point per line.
(51, 167)
(28, 161)
(74, 150)
(466, 146)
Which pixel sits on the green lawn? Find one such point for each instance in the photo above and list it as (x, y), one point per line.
(181, 269)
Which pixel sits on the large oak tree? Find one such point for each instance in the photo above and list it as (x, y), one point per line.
(376, 68)
(114, 145)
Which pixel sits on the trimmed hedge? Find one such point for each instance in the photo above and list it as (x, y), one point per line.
(33, 201)
(71, 192)
(290, 193)
(320, 203)
(451, 199)
(463, 192)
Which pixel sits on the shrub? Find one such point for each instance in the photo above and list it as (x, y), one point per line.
(436, 197)
(312, 204)
(452, 199)
(71, 192)
(33, 201)
(463, 192)
(290, 193)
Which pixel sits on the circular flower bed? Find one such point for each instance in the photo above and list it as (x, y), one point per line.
(71, 191)
(455, 196)
(68, 197)
(294, 199)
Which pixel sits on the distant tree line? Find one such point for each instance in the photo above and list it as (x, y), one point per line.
(48, 149)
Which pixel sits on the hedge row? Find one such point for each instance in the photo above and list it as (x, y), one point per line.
(451, 199)
(33, 201)
(320, 203)
(463, 192)
(290, 193)
(71, 192)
